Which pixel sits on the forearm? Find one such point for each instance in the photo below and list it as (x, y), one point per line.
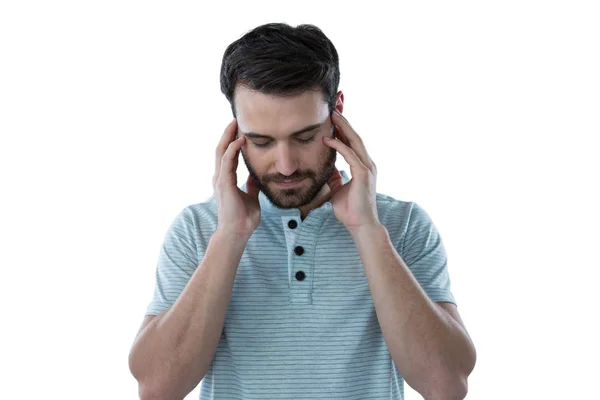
(429, 348)
(173, 353)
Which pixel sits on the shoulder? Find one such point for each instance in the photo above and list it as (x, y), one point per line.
(197, 219)
(390, 207)
(205, 211)
(400, 216)
(394, 213)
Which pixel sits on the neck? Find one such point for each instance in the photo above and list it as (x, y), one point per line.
(323, 196)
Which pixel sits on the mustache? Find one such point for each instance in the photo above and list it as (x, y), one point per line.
(295, 177)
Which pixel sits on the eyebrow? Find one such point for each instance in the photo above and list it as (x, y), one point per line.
(254, 135)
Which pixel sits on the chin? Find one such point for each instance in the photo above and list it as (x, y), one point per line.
(290, 198)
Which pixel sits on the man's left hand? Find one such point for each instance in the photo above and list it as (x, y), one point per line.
(354, 203)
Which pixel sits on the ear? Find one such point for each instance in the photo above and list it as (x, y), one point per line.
(339, 102)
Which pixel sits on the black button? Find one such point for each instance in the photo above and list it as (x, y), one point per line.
(299, 250)
(292, 224)
(300, 275)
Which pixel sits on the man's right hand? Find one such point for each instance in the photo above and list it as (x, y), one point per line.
(238, 211)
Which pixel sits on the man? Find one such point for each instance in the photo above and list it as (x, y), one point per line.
(303, 283)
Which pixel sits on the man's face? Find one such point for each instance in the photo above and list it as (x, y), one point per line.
(284, 142)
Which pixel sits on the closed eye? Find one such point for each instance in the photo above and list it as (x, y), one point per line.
(310, 139)
(262, 144)
(302, 141)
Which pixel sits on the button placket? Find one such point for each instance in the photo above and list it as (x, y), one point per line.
(300, 275)
(301, 258)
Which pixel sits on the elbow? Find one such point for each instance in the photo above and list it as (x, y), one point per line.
(454, 390)
(147, 392)
(451, 383)
(454, 385)
(150, 386)
(458, 391)
(163, 388)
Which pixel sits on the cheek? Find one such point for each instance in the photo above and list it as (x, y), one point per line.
(257, 158)
(314, 158)
(324, 151)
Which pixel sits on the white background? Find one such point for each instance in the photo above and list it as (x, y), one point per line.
(486, 114)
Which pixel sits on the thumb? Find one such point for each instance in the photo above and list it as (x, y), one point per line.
(335, 181)
(252, 187)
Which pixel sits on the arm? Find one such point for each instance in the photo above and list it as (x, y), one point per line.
(432, 350)
(172, 353)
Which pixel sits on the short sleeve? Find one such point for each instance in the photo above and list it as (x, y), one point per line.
(177, 261)
(424, 253)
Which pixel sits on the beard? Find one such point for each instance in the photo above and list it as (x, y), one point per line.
(298, 196)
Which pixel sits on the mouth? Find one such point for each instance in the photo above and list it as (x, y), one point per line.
(289, 183)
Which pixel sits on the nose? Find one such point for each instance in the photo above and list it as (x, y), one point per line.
(286, 163)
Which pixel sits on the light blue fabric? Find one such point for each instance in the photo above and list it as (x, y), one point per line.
(316, 338)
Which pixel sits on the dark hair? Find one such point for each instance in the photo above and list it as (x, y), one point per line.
(279, 59)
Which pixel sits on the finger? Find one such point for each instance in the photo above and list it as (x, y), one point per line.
(351, 139)
(340, 135)
(356, 165)
(228, 171)
(252, 187)
(335, 182)
(227, 137)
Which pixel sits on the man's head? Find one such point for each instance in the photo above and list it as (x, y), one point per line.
(282, 85)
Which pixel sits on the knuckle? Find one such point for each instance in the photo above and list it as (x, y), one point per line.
(230, 146)
(220, 185)
(226, 154)
(223, 162)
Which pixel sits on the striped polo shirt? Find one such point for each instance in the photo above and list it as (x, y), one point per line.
(301, 322)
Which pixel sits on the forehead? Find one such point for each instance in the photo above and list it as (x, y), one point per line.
(278, 115)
